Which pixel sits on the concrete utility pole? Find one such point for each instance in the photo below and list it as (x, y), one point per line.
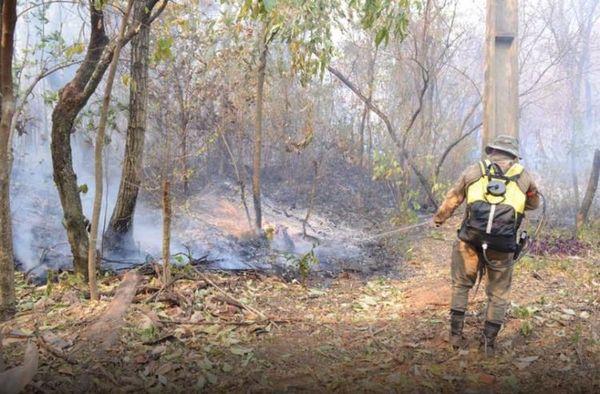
(501, 92)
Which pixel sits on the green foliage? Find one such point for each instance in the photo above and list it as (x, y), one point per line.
(384, 17)
(386, 168)
(523, 312)
(50, 275)
(149, 333)
(526, 328)
(50, 97)
(162, 51)
(305, 262)
(75, 49)
(305, 27)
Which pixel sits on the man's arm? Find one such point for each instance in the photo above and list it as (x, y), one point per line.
(456, 195)
(533, 198)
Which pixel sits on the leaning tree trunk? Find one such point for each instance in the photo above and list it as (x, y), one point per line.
(7, 268)
(71, 100)
(262, 65)
(584, 210)
(119, 235)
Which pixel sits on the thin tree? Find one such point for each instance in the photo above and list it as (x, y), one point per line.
(364, 120)
(166, 240)
(7, 286)
(100, 135)
(263, 49)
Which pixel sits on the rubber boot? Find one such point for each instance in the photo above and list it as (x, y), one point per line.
(488, 338)
(457, 323)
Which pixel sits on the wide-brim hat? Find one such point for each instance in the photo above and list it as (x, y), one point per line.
(504, 143)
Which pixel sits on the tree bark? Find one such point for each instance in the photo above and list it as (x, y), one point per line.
(119, 235)
(584, 210)
(71, 100)
(166, 246)
(262, 65)
(311, 197)
(100, 135)
(7, 267)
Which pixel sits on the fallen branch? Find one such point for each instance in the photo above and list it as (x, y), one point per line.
(161, 290)
(162, 339)
(54, 351)
(105, 330)
(209, 323)
(229, 300)
(14, 380)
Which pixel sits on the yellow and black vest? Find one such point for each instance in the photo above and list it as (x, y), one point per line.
(495, 208)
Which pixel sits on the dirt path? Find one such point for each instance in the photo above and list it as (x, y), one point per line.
(380, 335)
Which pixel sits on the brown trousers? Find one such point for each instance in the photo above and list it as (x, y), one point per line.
(465, 262)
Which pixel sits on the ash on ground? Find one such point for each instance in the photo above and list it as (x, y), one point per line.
(214, 225)
(212, 228)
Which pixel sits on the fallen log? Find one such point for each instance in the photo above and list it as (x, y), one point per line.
(105, 331)
(14, 380)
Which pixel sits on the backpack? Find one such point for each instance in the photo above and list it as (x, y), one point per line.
(495, 208)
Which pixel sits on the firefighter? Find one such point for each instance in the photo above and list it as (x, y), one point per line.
(497, 190)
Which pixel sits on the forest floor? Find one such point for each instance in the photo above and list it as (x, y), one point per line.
(218, 332)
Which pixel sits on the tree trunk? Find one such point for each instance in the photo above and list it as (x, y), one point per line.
(166, 246)
(311, 197)
(184, 120)
(262, 65)
(184, 162)
(7, 267)
(584, 210)
(366, 112)
(100, 135)
(71, 100)
(119, 235)
(240, 180)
